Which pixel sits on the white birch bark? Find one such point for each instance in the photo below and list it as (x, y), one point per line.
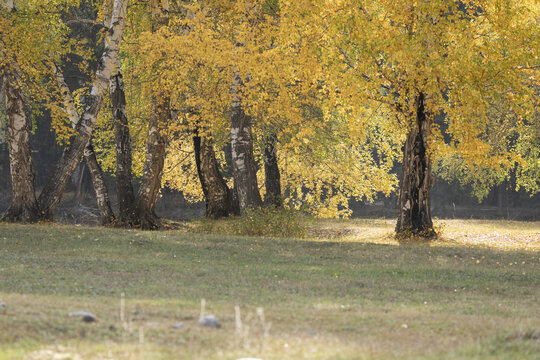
(100, 188)
(244, 168)
(53, 190)
(24, 206)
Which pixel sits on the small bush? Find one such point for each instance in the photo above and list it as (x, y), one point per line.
(271, 222)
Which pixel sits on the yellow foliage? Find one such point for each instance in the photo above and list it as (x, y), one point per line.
(336, 81)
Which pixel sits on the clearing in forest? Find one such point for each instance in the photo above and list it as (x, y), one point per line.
(346, 291)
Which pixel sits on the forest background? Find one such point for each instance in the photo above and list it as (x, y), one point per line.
(331, 166)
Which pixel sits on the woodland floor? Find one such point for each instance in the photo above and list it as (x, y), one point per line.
(346, 291)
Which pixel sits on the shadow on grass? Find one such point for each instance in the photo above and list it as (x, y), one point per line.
(101, 262)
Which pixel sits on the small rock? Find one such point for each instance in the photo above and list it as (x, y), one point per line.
(178, 325)
(84, 315)
(210, 321)
(88, 318)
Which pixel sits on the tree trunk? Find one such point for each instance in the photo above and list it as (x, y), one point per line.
(228, 171)
(244, 168)
(24, 206)
(53, 190)
(271, 170)
(96, 173)
(217, 196)
(124, 187)
(157, 139)
(414, 206)
(153, 165)
(102, 195)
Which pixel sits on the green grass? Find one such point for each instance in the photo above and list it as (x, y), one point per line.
(346, 291)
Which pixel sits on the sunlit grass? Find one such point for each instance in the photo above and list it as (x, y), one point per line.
(492, 234)
(345, 291)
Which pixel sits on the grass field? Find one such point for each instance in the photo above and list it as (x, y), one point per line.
(345, 291)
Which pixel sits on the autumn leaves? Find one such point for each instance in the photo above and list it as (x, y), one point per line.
(307, 103)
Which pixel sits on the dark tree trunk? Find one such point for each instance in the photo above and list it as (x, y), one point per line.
(24, 206)
(124, 187)
(153, 166)
(271, 170)
(244, 168)
(228, 171)
(102, 195)
(157, 140)
(414, 206)
(228, 168)
(53, 190)
(217, 196)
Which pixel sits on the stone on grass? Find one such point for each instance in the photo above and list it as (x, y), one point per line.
(210, 321)
(84, 315)
(179, 325)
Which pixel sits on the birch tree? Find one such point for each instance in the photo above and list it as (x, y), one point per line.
(160, 116)
(26, 78)
(53, 190)
(36, 63)
(96, 172)
(425, 59)
(124, 160)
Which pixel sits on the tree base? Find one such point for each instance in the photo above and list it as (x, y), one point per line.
(108, 221)
(219, 203)
(16, 214)
(410, 237)
(217, 213)
(149, 221)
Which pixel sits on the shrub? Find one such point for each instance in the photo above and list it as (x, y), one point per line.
(270, 222)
